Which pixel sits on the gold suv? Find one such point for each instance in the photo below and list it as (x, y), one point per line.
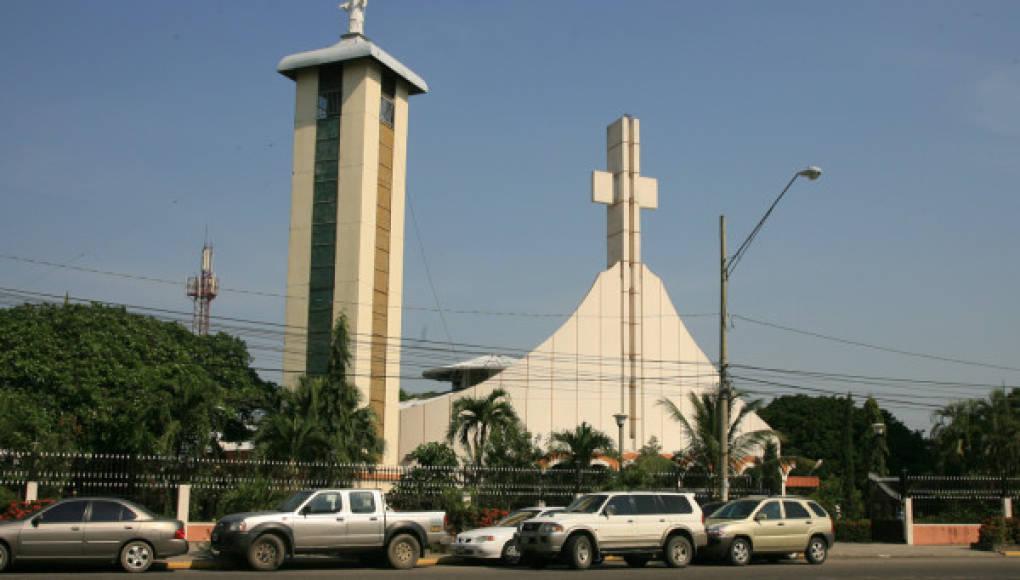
(769, 526)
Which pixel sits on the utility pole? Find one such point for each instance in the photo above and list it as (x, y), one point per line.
(723, 402)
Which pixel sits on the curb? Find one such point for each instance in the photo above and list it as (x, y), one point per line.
(207, 564)
(1011, 553)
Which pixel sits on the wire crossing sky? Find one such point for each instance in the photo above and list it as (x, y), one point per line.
(126, 128)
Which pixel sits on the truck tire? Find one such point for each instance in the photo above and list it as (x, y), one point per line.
(266, 553)
(402, 551)
(579, 552)
(678, 552)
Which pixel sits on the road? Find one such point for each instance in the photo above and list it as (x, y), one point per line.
(878, 569)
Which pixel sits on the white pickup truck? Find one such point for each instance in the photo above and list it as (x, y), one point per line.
(329, 521)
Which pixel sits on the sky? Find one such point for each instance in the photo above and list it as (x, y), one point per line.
(128, 128)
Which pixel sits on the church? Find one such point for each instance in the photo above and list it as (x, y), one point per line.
(621, 351)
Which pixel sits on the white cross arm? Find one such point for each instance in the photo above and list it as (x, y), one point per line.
(646, 192)
(602, 187)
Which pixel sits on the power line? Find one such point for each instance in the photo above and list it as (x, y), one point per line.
(876, 347)
(428, 272)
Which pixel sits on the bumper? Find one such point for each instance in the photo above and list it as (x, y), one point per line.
(539, 544)
(226, 542)
(486, 550)
(716, 548)
(171, 548)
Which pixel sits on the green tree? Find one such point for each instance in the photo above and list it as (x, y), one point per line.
(473, 419)
(579, 447)
(322, 419)
(650, 470)
(99, 379)
(874, 441)
(433, 454)
(979, 435)
(512, 446)
(851, 488)
(702, 433)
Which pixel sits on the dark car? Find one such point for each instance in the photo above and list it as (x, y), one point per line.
(93, 529)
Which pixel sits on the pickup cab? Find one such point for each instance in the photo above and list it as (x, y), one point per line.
(329, 521)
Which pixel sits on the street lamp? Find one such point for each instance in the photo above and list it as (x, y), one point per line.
(620, 420)
(726, 266)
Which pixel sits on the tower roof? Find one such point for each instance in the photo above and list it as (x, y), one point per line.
(351, 47)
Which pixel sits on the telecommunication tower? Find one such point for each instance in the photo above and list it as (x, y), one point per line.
(202, 289)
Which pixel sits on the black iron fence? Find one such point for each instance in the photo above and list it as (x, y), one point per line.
(221, 486)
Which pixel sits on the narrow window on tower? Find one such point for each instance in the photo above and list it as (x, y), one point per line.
(386, 107)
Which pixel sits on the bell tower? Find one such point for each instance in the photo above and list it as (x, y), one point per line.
(346, 255)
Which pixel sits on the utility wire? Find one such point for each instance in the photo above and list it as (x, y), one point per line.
(428, 272)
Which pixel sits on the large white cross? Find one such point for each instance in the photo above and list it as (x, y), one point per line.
(624, 190)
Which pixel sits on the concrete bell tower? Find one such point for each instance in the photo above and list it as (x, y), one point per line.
(347, 214)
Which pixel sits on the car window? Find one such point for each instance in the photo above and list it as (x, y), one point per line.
(517, 517)
(771, 511)
(648, 505)
(676, 504)
(736, 510)
(110, 511)
(362, 502)
(819, 510)
(795, 511)
(325, 503)
(550, 512)
(622, 505)
(71, 512)
(586, 504)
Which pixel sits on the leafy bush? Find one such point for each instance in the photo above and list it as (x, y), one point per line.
(998, 531)
(853, 530)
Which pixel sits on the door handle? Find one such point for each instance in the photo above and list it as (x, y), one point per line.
(662, 521)
(75, 529)
(339, 519)
(809, 522)
(780, 524)
(630, 521)
(129, 527)
(373, 519)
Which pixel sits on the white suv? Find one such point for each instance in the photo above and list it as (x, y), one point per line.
(640, 526)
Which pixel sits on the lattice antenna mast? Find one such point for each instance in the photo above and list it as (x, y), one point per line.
(202, 289)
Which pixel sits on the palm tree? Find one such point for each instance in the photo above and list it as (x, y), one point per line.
(473, 419)
(581, 446)
(293, 430)
(980, 435)
(702, 433)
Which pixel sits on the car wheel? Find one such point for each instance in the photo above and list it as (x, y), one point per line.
(5, 557)
(511, 555)
(266, 553)
(403, 552)
(135, 556)
(740, 552)
(636, 561)
(579, 552)
(679, 552)
(817, 550)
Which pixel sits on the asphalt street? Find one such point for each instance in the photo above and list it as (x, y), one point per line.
(907, 568)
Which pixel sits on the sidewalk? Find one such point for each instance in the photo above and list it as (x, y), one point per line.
(848, 551)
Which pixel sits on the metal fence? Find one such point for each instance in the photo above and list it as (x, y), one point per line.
(221, 486)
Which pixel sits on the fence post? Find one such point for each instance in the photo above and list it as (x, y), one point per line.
(1007, 507)
(908, 509)
(183, 502)
(31, 490)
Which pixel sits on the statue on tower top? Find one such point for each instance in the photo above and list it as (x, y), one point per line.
(356, 15)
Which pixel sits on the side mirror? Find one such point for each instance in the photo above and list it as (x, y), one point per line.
(609, 511)
(305, 511)
(36, 521)
(760, 517)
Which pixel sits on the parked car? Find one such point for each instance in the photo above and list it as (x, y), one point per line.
(93, 529)
(708, 508)
(498, 541)
(640, 526)
(770, 526)
(329, 521)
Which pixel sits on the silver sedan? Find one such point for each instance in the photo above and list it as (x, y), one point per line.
(96, 529)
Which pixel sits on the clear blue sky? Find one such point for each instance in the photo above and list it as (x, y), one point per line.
(126, 127)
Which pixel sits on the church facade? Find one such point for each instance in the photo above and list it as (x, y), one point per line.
(623, 349)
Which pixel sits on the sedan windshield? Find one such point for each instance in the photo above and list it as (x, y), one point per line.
(291, 503)
(517, 517)
(586, 504)
(736, 510)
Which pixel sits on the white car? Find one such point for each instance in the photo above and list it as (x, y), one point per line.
(498, 541)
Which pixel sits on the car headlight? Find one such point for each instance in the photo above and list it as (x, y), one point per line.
(550, 529)
(716, 532)
(238, 526)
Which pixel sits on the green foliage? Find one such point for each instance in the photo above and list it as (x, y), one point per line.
(7, 495)
(473, 419)
(256, 495)
(579, 447)
(704, 445)
(853, 531)
(875, 445)
(433, 454)
(980, 435)
(851, 490)
(998, 531)
(650, 470)
(322, 418)
(99, 379)
(512, 446)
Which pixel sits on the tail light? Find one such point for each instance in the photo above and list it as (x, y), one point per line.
(181, 533)
(446, 522)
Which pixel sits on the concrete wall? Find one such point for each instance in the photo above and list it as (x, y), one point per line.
(578, 373)
(945, 534)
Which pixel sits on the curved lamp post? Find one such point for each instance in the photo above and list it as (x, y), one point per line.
(726, 267)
